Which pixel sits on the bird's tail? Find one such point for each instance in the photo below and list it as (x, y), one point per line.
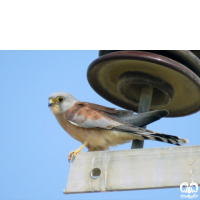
(152, 135)
(161, 137)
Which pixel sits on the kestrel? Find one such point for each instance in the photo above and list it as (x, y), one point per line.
(98, 127)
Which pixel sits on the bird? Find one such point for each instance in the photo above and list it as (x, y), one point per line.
(98, 127)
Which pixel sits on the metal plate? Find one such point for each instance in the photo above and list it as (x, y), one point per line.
(134, 169)
(103, 75)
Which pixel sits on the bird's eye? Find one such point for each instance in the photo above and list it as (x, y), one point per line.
(60, 99)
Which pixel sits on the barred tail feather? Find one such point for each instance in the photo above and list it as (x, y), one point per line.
(166, 138)
(152, 135)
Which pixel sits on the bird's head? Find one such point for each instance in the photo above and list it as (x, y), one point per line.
(59, 102)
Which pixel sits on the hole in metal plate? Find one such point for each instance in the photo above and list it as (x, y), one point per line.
(95, 173)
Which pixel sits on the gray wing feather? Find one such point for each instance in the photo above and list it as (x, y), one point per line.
(140, 119)
(103, 123)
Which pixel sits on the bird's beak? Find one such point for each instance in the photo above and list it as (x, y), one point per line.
(51, 102)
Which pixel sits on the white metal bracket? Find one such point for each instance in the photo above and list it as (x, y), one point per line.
(133, 169)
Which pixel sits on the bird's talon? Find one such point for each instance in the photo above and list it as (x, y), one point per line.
(70, 155)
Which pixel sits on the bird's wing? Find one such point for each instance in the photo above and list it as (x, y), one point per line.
(90, 115)
(108, 115)
(128, 116)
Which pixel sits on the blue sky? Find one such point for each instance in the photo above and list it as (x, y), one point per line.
(33, 146)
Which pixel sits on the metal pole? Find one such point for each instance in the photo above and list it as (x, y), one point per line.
(144, 106)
